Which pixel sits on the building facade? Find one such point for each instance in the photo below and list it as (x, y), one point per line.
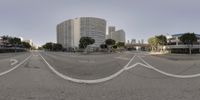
(133, 41)
(65, 33)
(119, 36)
(1, 42)
(69, 32)
(94, 28)
(111, 29)
(176, 46)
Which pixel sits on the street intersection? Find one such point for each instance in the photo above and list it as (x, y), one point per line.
(40, 75)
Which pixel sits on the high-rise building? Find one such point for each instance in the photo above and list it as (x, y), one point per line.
(128, 42)
(69, 32)
(111, 29)
(142, 41)
(139, 42)
(119, 36)
(133, 41)
(65, 33)
(94, 28)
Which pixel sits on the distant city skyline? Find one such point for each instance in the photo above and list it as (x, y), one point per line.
(140, 19)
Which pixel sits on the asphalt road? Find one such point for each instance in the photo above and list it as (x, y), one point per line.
(87, 66)
(34, 80)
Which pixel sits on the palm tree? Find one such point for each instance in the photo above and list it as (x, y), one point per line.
(189, 39)
(153, 42)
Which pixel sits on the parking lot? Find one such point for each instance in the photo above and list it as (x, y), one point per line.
(133, 75)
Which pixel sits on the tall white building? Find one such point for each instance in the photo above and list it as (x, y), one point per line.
(65, 33)
(142, 41)
(69, 32)
(111, 29)
(119, 36)
(94, 28)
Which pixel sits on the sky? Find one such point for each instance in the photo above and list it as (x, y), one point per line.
(140, 19)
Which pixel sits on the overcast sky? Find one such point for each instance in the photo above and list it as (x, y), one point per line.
(141, 19)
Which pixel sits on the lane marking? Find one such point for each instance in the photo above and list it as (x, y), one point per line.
(129, 61)
(134, 65)
(169, 74)
(86, 81)
(13, 61)
(5, 72)
(148, 65)
(125, 68)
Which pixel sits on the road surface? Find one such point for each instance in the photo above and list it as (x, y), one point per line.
(34, 80)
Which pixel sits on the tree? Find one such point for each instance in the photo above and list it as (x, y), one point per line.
(40, 48)
(5, 40)
(52, 46)
(26, 45)
(57, 47)
(110, 43)
(189, 39)
(162, 40)
(85, 41)
(103, 46)
(153, 42)
(15, 42)
(114, 46)
(120, 44)
(48, 46)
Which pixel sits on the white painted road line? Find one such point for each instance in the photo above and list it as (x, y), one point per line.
(134, 65)
(169, 74)
(13, 61)
(149, 66)
(126, 67)
(129, 62)
(5, 72)
(86, 81)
